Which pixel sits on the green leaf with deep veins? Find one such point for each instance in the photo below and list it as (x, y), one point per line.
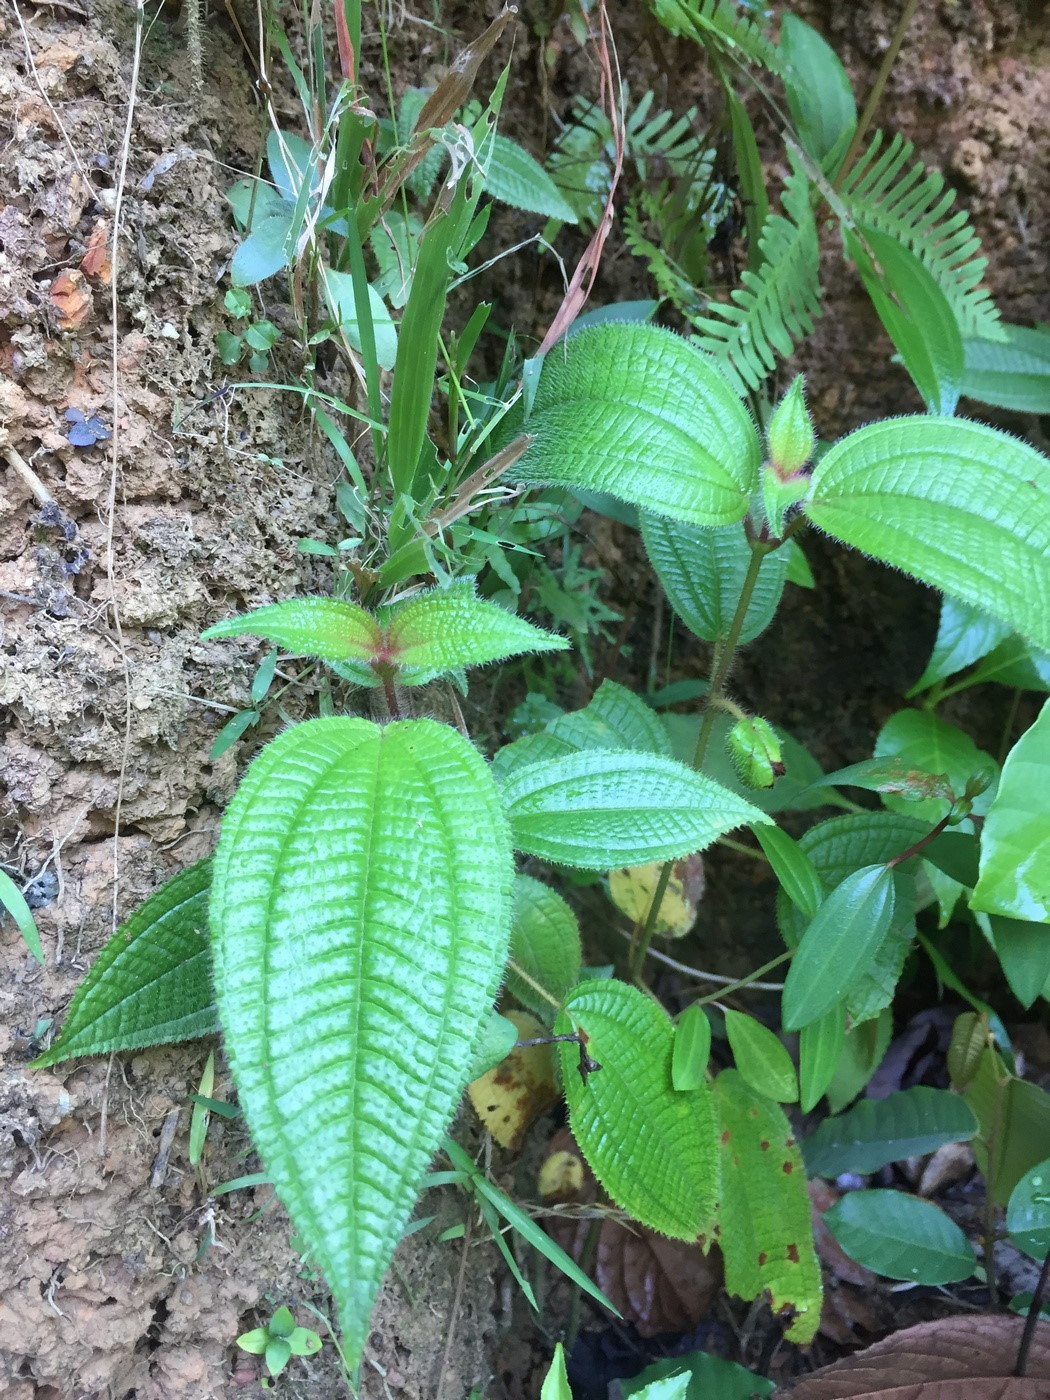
(963, 507)
(605, 808)
(651, 1146)
(151, 984)
(639, 413)
(545, 944)
(360, 913)
(329, 628)
(1015, 840)
(450, 627)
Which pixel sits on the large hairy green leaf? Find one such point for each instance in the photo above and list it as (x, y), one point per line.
(360, 913)
(604, 808)
(449, 627)
(639, 413)
(151, 984)
(330, 628)
(702, 572)
(545, 944)
(650, 1145)
(1015, 840)
(961, 506)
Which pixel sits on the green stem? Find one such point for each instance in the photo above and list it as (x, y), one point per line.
(742, 982)
(537, 987)
(725, 654)
(877, 89)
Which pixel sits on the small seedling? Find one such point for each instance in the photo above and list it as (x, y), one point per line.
(279, 1340)
(256, 340)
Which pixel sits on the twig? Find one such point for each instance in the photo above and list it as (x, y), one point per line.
(1033, 1317)
(44, 93)
(111, 504)
(29, 476)
(718, 977)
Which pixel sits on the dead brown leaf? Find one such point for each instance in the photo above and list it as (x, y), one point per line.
(658, 1284)
(71, 298)
(510, 1097)
(957, 1358)
(95, 262)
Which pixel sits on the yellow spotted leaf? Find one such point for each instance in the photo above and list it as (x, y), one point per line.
(510, 1097)
(764, 1221)
(632, 890)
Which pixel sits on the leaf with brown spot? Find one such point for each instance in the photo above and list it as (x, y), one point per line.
(509, 1098)
(71, 298)
(957, 1358)
(632, 889)
(765, 1212)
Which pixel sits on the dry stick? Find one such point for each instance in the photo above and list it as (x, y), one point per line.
(877, 89)
(456, 1303)
(29, 476)
(723, 663)
(111, 504)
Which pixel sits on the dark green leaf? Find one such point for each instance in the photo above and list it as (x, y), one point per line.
(901, 1236)
(839, 945)
(908, 1123)
(151, 983)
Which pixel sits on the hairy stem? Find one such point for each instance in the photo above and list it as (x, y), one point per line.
(725, 654)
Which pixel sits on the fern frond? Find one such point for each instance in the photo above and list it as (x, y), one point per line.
(776, 305)
(913, 205)
(670, 279)
(719, 25)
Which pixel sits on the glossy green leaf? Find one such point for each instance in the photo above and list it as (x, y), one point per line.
(765, 1230)
(820, 1046)
(692, 1049)
(838, 945)
(1015, 839)
(1014, 662)
(955, 854)
(964, 635)
(793, 868)
(760, 1057)
(959, 505)
(329, 628)
(894, 776)
(702, 573)
(651, 1147)
(901, 1236)
(615, 718)
(1028, 1213)
(908, 1123)
(923, 741)
(840, 846)
(545, 944)
(638, 412)
(818, 91)
(603, 809)
(12, 900)
(360, 913)
(915, 312)
(151, 983)
(1012, 372)
(1024, 952)
(450, 627)
(516, 178)
(339, 292)
(1014, 1119)
(709, 1378)
(862, 1050)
